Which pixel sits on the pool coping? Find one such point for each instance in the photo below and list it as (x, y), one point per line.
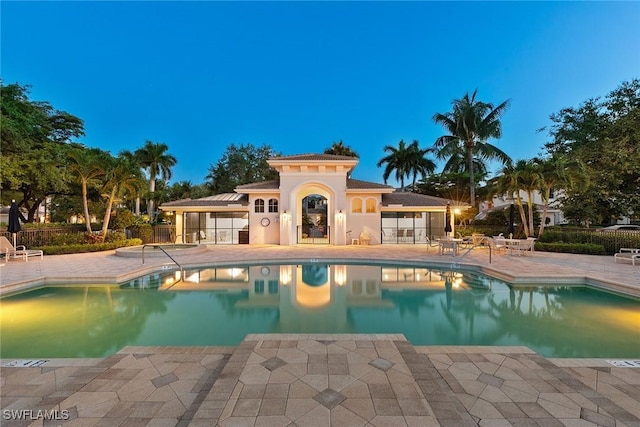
(515, 280)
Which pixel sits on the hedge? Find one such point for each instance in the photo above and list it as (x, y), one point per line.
(82, 248)
(572, 248)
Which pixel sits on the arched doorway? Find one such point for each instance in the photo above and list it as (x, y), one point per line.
(314, 226)
(313, 213)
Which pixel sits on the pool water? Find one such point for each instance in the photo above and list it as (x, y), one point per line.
(219, 306)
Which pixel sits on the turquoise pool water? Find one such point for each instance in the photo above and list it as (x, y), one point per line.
(219, 306)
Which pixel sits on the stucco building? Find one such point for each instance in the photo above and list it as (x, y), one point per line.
(313, 201)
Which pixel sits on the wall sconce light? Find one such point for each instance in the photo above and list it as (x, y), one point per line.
(340, 216)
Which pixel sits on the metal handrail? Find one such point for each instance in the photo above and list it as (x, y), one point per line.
(158, 246)
(477, 246)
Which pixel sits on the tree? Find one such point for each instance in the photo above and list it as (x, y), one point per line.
(408, 161)
(397, 160)
(556, 172)
(522, 176)
(186, 190)
(33, 144)
(154, 158)
(604, 136)
(87, 165)
(241, 164)
(339, 149)
(528, 179)
(122, 176)
(471, 124)
(418, 163)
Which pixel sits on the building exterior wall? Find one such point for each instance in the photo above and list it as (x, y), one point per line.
(259, 233)
(363, 222)
(296, 186)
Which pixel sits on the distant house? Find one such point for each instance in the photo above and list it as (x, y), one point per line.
(497, 203)
(312, 201)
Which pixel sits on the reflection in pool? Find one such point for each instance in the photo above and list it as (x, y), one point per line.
(219, 306)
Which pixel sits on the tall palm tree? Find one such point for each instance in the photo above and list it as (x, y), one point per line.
(418, 163)
(154, 158)
(339, 149)
(397, 160)
(508, 183)
(470, 124)
(123, 176)
(528, 179)
(87, 164)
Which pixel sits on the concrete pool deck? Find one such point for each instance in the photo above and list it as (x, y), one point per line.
(324, 380)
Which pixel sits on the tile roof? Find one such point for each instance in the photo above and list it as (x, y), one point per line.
(414, 199)
(273, 184)
(356, 184)
(314, 157)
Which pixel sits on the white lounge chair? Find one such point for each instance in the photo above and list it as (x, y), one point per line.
(20, 251)
(631, 254)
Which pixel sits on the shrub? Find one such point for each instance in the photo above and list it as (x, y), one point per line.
(572, 248)
(66, 239)
(142, 231)
(115, 236)
(83, 248)
(124, 218)
(92, 238)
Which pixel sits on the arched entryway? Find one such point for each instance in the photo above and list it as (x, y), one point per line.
(314, 227)
(314, 206)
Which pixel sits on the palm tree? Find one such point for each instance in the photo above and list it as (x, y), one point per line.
(154, 158)
(418, 163)
(339, 149)
(523, 176)
(133, 158)
(555, 172)
(528, 178)
(397, 160)
(471, 124)
(87, 164)
(123, 176)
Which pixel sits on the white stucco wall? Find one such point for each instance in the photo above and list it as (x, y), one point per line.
(258, 233)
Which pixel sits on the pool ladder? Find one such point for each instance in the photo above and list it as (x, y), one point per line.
(157, 246)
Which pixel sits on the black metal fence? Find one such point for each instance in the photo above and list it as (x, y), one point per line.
(34, 237)
(314, 235)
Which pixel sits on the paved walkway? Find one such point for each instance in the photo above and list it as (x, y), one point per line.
(323, 380)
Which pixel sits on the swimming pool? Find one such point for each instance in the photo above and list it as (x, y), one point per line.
(220, 305)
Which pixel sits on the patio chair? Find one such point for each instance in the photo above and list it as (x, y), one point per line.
(632, 254)
(20, 251)
(525, 246)
(497, 245)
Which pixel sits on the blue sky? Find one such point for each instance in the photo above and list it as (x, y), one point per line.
(199, 76)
